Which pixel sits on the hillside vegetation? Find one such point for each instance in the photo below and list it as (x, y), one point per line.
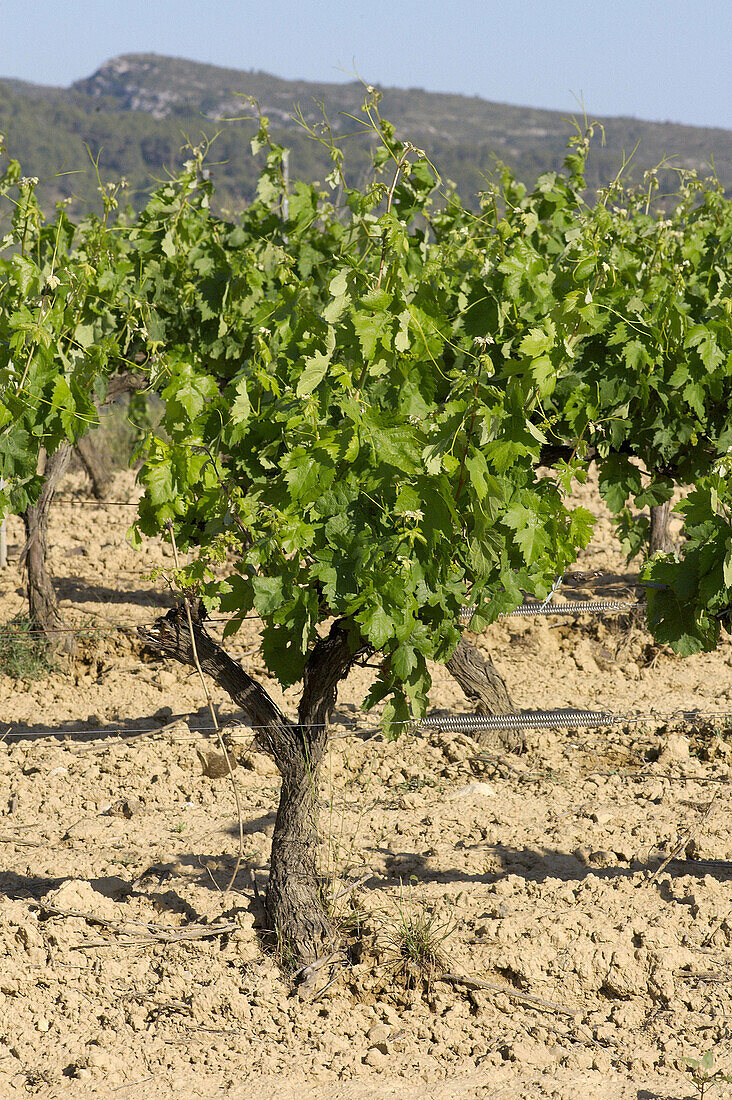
(134, 114)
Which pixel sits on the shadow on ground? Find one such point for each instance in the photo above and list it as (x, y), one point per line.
(94, 729)
(538, 866)
(81, 591)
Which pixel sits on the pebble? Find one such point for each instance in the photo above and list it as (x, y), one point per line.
(378, 1035)
(480, 790)
(675, 748)
(375, 1057)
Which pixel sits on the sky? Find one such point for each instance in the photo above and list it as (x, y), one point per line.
(662, 60)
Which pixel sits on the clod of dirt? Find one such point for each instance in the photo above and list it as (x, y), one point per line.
(79, 897)
(124, 807)
(474, 790)
(676, 748)
(214, 765)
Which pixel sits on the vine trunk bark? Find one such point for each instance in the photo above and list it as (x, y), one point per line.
(96, 466)
(479, 679)
(486, 689)
(294, 902)
(660, 538)
(42, 600)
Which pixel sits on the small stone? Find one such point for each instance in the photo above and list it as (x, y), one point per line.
(335, 1045)
(42, 1024)
(79, 896)
(258, 762)
(602, 858)
(601, 1062)
(628, 1015)
(100, 1059)
(715, 749)
(390, 1014)
(214, 765)
(675, 748)
(532, 1054)
(654, 792)
(584, 657)
(479, 790)
(125, 807)
(377, 1035)
(375, 1057)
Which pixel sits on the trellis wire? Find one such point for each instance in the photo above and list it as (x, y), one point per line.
(570, 718)
(98, 503)
(571, 607)
(32, 735)
(524, 719)
(20, 631)
(555, 587)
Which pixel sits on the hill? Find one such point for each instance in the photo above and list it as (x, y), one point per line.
(134, 114)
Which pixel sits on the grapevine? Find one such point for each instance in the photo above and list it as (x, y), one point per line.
(375, 404)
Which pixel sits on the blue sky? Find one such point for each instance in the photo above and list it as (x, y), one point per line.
(653, 59)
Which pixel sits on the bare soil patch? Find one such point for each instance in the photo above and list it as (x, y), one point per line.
(126, 971)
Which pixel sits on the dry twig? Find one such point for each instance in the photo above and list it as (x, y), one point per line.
(681, 846)
(161, 933)
(494, 987)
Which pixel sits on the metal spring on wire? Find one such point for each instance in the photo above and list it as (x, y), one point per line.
(524, 719)
(571, 607)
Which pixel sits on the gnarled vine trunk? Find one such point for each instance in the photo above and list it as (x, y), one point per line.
(486, 689)
(659, 538)
(294, 900)
(95, 465)
(42, 601)
(92, 458)
(480, 680)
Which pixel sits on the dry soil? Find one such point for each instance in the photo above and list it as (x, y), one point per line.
(539, 865)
